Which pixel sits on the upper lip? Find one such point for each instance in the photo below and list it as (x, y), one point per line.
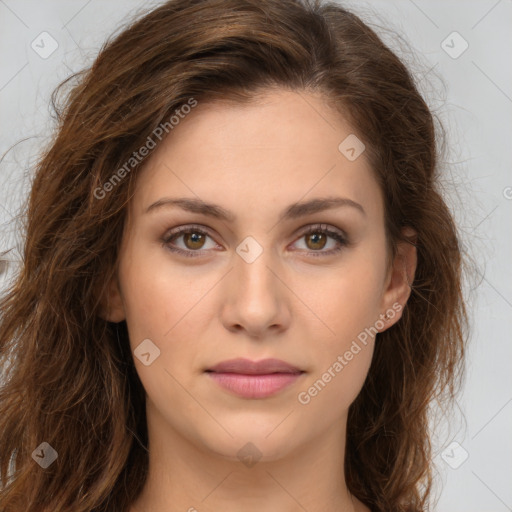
(248, 367)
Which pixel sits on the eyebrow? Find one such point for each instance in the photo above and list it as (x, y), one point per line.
(294, 211)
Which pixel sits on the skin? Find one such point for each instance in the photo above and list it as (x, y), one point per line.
(290, 303)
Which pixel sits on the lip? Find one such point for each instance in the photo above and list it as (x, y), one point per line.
(254, 379)
(248, 367)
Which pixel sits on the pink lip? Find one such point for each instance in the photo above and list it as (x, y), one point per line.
(254, 379)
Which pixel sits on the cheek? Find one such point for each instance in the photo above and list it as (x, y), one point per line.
(347, 298)
(347, 302)
(148, 305)
(169, 307)
(160, 306)
(327, 395)
(156, 296)
(341, 356)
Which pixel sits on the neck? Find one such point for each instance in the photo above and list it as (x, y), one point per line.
(185, 475)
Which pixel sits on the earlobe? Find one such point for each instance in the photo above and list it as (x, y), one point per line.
(112, 307)
(401, 279)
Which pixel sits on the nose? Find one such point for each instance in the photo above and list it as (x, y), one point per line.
(256, 299)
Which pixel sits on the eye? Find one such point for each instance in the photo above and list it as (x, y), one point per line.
(316, 238)
(194, 240)
(193, 243)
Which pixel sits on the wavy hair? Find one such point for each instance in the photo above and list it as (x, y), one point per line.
(68, 375)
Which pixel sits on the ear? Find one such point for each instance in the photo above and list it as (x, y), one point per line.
(112, 307)
(399, 280)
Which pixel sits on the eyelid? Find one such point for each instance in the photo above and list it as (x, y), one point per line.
(321, 226)
(188, 227)
(331, 231)
(180, 231)
(337, 234)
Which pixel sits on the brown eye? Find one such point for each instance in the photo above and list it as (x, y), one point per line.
(193, 240)
(188, 241)
(322, 240)
(316, 241)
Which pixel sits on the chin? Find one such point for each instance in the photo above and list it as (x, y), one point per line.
(259, 441)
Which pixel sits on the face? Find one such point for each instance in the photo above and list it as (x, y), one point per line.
(270, 272)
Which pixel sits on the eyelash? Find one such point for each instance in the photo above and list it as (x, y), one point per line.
(318, 228)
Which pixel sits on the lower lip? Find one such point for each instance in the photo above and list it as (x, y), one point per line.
(254, 386)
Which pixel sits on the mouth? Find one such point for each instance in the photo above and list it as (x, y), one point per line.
(254, 379)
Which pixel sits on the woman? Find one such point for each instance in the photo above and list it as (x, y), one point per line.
(241, 287)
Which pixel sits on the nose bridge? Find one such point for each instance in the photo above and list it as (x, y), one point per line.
(255, 277)
(256, 300)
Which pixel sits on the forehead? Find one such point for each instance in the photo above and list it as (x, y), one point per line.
(276, 150)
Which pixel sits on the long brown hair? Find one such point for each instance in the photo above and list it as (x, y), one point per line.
(68, 375)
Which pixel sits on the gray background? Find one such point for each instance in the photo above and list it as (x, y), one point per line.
(471, 94)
